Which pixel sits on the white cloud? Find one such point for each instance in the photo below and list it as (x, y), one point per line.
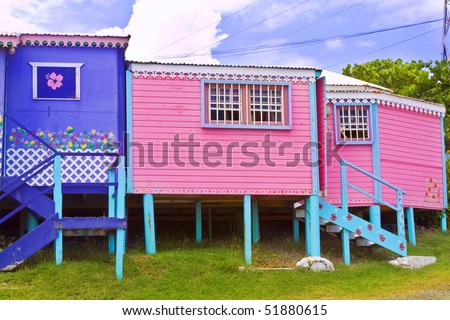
(336, 44)
(174, 29)
(365, 44)
(391, 12)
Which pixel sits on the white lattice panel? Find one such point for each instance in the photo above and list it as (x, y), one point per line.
(75, 169)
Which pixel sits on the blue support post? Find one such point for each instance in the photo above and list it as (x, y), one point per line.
(345, 237)
(149, 224)
(444, 221)
(312, 221)
(307, 226)
(58, 199)
(111, 209)
(411, 227)
(247, 230)
(120, 213)
(375, 215)
(32, 221)
(296, 229)
(255, 222)
(198, 221)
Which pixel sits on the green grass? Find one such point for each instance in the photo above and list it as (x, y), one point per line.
(183, 270)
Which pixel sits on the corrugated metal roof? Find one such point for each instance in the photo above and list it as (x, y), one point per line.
(336, 79)
(226, 65)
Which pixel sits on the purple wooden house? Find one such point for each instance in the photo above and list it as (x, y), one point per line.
(63, 116)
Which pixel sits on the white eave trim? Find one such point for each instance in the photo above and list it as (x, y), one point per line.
(387, 99)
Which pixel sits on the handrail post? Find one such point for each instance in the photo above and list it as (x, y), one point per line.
(400, 215)
(345, 237)
(111, 208)
(58, 198)
(120, 213)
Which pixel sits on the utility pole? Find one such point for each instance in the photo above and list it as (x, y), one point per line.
(445, 29)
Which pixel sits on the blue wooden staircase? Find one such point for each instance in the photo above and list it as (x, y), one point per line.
(339, 220)
(48, 211)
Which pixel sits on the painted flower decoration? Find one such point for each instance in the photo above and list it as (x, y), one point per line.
(54, 81)
(358, 232)
(349, 217)
(333, 217)
(369, 227)
(402, 247)
(382, 238)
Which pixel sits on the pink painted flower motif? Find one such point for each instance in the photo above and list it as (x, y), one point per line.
(349, 217)
(333, 217)
(358, 232)
(369, 227)
(54, 81)
(402, 247)
(382, 238)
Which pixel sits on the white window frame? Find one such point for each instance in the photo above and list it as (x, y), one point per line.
(358, 122)
(77, 67)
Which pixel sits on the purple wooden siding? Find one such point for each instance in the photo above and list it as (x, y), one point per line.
(163, 108)
(360, 155)
(411, 156)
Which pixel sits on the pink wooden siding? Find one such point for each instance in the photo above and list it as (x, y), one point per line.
(165, 107)
(359, 155)
(411, 156)
(321, 120)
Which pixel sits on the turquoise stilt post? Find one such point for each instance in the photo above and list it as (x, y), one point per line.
(312, 210)
(375, 215)
(58, 199)
(32, 221)
(411, 227)
(247, 230)
(149, 224)
(345, 237)
(308, 226)
(444, 221)
(111, 209)
(198, 222)
(296, 229)
(255, 222)
(120, 213)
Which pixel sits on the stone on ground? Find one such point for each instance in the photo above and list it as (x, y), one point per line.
(413, 262)
(315, 264)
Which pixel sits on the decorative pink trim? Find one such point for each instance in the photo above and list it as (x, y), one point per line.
(9, 39)
(221, 76)
(73, 41)
(220, 191)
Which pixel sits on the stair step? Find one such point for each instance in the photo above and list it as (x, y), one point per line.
(42, 205)
(332, 228)
(300, 212)
(352, 236)
(28, 245)
(361, 242)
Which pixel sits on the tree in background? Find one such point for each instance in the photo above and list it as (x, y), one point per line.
(416, 79)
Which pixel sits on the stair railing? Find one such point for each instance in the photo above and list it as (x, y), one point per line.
(398, 207)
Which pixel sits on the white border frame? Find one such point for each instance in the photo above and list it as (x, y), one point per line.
(77, 67)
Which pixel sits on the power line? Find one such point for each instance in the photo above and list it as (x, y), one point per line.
(243, 30)
(206, 27)
(378, 50)
(267, 48)
(307, 26)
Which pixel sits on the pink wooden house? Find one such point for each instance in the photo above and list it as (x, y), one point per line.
(321, 142)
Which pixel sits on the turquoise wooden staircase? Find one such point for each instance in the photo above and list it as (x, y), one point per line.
(49, 210)
(352, 226)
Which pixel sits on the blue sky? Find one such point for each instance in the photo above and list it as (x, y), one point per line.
(244, 31)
